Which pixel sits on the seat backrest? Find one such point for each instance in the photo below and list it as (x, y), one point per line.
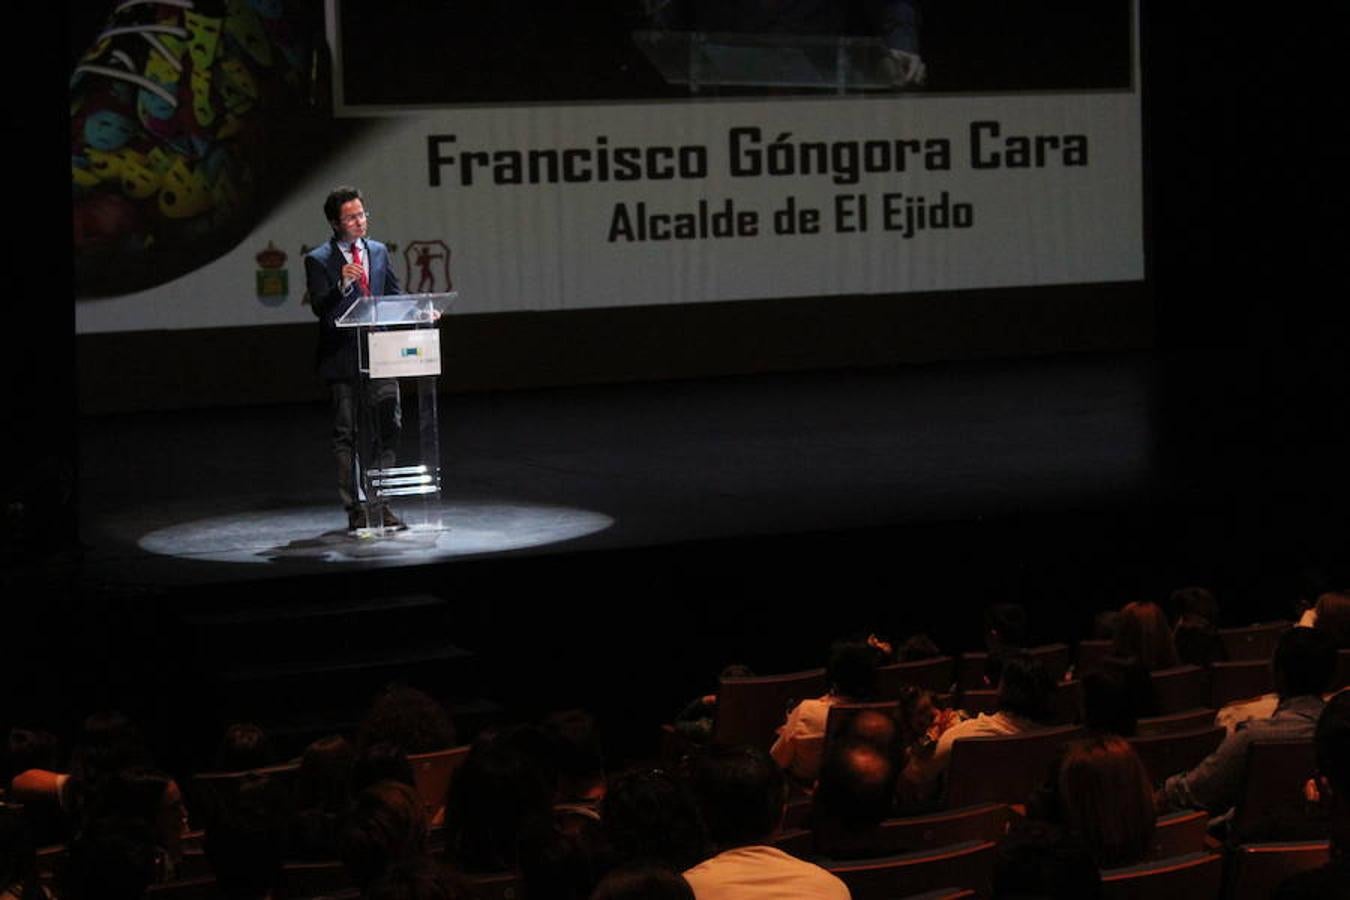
(1230, 681)
(1180, 688)
(967, 865)
(1055, 658)
(1252, 642)
(1068, 702)
(750, 709)
(1179, 833)
(1195, 876)
(1168, 754)
(1258, 869)
(980, 822)
(432, 774)
(1188, 720)
(206, 791)
(1003, 769)
(1271, 805)
(1091, 656)
(930, 674)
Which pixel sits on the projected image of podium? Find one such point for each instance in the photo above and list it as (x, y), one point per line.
(786, 62)
(398, 339)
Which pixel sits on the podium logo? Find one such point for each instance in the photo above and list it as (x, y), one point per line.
(410, 351)
(426, 267)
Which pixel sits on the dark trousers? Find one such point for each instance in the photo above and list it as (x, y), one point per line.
(371, 418)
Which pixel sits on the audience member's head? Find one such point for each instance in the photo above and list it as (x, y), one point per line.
(1305, 660)
(1105, 796)
(108, 743)
(1333, 617)
(381, 761)
(918, 647)
(1195, 601)
(564, 862)
(852, 670)
(409, 718)
(576, 755)
(1143, 634)
(1042, 861)
(323, 781)
(1197, 641)
(386, 824)
(650, 817)
(878, 728)
(1025, 688)
(417, 878)
(643, 883)
(856, 789)
(1005, 627)
(741, 792)
(498, 795)
(1108, 704)
(916, 714)
(246, 838)
(1105, 624)
(245, 746)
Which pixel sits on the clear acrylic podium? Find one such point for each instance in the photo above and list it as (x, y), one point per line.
(398, 338)
(836, 63)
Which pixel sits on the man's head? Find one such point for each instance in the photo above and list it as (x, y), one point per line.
(1025, 688)
(852, 669)
(741, 792)
(857, 785)
(1304, 662)
(346, 213)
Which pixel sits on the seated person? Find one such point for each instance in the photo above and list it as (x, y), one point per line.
(741, 794)
(1331, 788)
(852, 673)
(1024, 704)
(1106, 799)
(1304, 661)
(1143, 636)
(853, 797)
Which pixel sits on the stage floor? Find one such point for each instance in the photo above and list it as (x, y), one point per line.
(221, 495)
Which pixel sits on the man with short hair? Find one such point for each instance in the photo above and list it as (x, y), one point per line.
(1304, 662)
(854, 796)
(338, 273)
(1332, 787)
(741, 793)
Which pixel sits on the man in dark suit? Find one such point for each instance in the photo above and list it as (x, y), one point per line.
(337, 274)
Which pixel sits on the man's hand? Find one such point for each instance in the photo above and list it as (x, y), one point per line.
(352, 273)
(906, 69)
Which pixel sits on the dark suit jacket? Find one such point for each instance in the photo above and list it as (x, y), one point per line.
(335, 358)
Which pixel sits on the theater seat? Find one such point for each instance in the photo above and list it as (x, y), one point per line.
(1253, 642)
(1179, 833)
(1180, 688)
(1003, 769)
(968, 865)
(1258, 869)
(1195, 876)
(750, 709)
(1188, 720)
(1230, 681)
(1271, 805)
(930, 674)
(432, 774)
(1168, 754)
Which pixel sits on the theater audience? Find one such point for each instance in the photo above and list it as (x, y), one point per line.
(852, 674)
(650, 818)
(245, 839)
(643, 883)
(150, 796)
(1304, 661)
(111, 859)
(573, 745)
(741, 793)
(499, 797)
(418, 878)
(322, 792)
(1333, 616)
(1024, 704)
(1143, 636)
(1105, 797)
(245, 746)
(18, 858)
(855, 794)
(408, 718)
(1044, 861)
(381, 761)
(385, 825)
(1115, 698)
(1331, 789)
(1005, 634)
(695, 721)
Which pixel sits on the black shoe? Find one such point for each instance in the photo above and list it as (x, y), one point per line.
(356, 519)
(389, 520)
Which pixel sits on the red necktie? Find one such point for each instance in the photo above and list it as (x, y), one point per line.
(356, 258)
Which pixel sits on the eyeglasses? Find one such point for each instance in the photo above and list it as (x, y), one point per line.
(354, 218)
